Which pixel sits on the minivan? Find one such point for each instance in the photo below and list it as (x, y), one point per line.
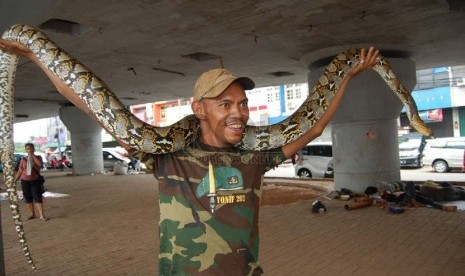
(316, 161)
(445, 154)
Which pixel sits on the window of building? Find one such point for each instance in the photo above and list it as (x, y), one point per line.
(269, 97)
(290, 95)
(163, 112)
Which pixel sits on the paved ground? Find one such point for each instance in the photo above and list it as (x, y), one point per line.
(108, 226)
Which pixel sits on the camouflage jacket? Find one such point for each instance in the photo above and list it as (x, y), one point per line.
(193, 240)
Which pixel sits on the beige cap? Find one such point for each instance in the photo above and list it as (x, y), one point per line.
(212, 83)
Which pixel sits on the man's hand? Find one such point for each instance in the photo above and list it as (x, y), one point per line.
(367, 60)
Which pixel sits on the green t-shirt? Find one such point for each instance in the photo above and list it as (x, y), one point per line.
(193, 241)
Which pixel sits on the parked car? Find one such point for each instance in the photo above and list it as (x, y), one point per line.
(112, 155)
(411, 147)
(16, 158)
(444, 154)
(317, 161)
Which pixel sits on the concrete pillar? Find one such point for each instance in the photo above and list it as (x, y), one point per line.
(86, 141)
(364, 128)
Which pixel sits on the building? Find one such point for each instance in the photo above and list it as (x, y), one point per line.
(439, 94)
(271, 111)
(440, 98)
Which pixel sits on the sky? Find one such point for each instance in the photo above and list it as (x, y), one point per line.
(23, 131)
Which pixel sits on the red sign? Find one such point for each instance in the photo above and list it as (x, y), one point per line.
(40, 140)
(434, 115)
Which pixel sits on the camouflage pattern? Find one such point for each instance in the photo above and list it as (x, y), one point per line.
(194, 241)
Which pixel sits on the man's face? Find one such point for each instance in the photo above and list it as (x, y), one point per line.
(225, 117)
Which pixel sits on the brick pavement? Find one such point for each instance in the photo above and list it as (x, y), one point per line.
(108, 226)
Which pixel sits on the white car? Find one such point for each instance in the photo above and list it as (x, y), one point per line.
(444, 154)
(112, 155)
(316, 161)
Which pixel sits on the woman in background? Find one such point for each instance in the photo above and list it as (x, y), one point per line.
(29, 173)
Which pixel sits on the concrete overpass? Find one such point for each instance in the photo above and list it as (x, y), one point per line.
(153, 50)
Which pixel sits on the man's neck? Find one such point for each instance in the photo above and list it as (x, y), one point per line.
(208, 145)
(208, 141)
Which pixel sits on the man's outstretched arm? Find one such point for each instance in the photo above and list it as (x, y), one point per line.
(369, 58)
(65, 90)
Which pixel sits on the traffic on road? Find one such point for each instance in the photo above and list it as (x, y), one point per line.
(287, 170)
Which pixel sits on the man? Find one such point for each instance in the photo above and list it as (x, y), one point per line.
(463, 166)
(210, 191)
(200, 238)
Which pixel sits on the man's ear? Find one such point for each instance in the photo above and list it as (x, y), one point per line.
(197, 108)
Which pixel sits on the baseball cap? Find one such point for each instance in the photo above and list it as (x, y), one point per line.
(212, 83)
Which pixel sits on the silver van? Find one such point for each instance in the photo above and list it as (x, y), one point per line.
(445, 154)
(317, 161)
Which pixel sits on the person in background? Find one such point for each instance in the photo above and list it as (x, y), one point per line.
(29, 174)
(49, 160)
(408, 194)
(297, 158)
(418, 199)
(135, 164)
(64, 163)
(463, 165)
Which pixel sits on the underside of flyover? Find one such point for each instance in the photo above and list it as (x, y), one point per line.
(148, 51)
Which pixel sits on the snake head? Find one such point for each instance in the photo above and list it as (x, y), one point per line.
(421, 127)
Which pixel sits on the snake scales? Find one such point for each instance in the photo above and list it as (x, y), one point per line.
(143, 137)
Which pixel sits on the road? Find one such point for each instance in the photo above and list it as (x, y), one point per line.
(427, 173)
(423, 174)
